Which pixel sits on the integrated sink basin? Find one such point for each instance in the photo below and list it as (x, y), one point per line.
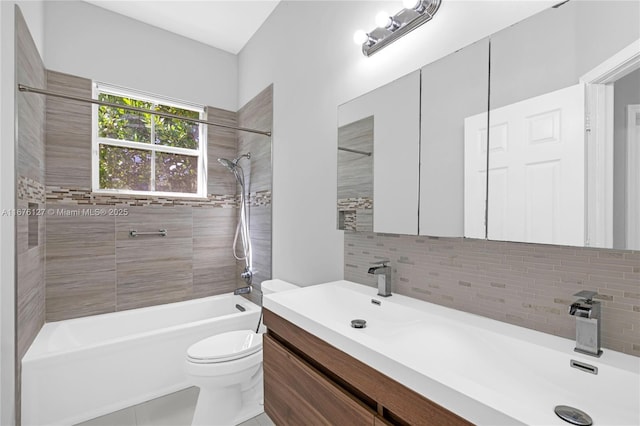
(486, 371)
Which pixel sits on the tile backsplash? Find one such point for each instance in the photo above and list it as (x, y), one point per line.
(529, 285)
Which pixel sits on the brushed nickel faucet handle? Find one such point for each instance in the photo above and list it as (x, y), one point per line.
(381, 262)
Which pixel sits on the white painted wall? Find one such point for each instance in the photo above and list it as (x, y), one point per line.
(305, 48)
(91, 42)
(33, 13)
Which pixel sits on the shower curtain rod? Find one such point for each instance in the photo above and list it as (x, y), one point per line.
(23, 88)
(355, 151)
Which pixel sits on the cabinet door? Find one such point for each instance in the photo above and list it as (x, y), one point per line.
(561, 82)
(393, 112)
(453, 88)
(296, 394)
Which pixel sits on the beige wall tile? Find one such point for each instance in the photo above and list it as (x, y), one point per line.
(80, 294)
(68, 135)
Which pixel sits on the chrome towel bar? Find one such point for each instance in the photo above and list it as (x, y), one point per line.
(161, 232)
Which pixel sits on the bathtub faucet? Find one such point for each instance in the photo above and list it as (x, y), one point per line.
(242, 290)
(587, 313)
(383, 271)
(247, 275)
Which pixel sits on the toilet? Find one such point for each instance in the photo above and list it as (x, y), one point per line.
(227, 368)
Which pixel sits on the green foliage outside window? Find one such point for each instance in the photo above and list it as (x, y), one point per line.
(132, 169)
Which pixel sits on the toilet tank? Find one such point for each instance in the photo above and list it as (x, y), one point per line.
(276, 286)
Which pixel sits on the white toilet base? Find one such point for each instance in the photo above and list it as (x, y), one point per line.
(228, 406)
(217, 406)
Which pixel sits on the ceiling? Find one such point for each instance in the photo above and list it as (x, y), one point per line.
(226, 25)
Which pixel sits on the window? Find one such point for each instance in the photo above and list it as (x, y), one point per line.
(144, 153)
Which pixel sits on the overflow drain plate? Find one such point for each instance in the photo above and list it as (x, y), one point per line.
(358, 323)
(573, 415)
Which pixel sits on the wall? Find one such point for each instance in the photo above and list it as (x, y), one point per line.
(85, 40)
(258, 114)
(30, 164)
(8, 93)
(315, 66)
(7, 224)
(93, 266)
(73, 31)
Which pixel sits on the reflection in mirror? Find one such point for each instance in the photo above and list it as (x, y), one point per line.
(355, 176)
(563, 127)
(393, 111)
(453, 88)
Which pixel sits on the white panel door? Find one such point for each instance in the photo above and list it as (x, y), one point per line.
(475, 175)
(537, 169)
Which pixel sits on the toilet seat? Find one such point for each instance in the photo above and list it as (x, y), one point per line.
(225, 347)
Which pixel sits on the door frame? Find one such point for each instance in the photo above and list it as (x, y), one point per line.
(632, 224)
(599, 100)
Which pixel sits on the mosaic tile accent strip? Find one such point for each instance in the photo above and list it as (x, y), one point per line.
(84, 197)
(345, 204)
(31, 190)
(530, 285)
(260, 198)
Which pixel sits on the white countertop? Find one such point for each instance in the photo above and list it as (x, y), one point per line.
(484, 370)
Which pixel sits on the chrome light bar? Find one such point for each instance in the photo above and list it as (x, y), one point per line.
(401, 23)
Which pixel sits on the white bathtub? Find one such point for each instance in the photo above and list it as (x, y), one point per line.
(82, 368)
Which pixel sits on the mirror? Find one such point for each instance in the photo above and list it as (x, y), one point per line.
(378, 155)
(355, 176)
(564, 128)
(453, 88)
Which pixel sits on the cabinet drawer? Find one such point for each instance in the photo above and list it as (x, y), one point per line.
(296, 394)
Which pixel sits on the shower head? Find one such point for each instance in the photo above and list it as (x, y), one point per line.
(227, 163)
(232, 164)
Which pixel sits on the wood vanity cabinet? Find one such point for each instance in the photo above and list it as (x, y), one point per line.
(309, 382)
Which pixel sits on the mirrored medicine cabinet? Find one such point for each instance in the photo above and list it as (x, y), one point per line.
(378, 159)
(560, 95)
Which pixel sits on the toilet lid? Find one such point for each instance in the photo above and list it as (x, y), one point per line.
(226, 346)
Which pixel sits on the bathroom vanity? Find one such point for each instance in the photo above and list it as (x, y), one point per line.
(420, 363)
(308, 381)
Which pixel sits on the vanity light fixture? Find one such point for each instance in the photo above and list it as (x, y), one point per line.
(390, 28)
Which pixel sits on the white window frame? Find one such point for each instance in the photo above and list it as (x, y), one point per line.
(200, 153)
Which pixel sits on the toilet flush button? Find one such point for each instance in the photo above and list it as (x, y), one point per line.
(573, 415)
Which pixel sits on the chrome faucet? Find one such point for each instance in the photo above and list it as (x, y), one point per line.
(383, 271)
(242, 290)
(587, 313)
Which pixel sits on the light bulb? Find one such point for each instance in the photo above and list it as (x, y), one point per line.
(411, 4)
(383, 20)
(359, 37)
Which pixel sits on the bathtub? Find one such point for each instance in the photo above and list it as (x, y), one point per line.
(83, 368)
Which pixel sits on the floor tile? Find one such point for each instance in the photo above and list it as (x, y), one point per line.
(170, 410)
(126, 417)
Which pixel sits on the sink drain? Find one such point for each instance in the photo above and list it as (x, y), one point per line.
(573, 415)
(358, 323)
